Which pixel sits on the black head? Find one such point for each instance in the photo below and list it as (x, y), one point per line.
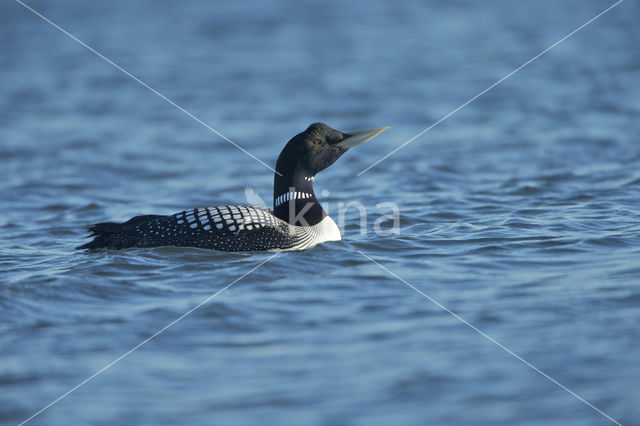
(311, 151)
(318, 147)
(306, 154)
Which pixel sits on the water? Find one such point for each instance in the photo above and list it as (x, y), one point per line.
(520, 213)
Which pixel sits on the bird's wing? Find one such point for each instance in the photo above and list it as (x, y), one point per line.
(253, 199)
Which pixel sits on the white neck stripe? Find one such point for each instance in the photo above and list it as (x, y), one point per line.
(291, 196)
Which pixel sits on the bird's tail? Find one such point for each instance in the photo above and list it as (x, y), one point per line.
(116, 235)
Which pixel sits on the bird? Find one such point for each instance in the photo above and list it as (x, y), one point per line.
(296, 222)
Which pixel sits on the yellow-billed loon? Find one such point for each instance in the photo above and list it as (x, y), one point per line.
(296, 222)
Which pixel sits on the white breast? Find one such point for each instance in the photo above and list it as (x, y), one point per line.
(327, 229)
(309, 236)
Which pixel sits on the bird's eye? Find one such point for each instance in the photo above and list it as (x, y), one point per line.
(316, 142)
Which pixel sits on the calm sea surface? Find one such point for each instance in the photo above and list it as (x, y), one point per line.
(520, 213)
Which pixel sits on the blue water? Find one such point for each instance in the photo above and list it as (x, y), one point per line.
(520, 213)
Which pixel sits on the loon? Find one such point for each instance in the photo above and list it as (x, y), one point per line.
(296, 222)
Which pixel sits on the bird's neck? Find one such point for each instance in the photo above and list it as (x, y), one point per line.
(294, 200)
